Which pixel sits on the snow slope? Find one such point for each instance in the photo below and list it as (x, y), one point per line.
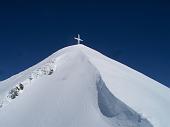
(84, 89)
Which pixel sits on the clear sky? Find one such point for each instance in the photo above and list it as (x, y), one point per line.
(134, 33)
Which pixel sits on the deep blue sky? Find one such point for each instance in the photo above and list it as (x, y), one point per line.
(134, 33)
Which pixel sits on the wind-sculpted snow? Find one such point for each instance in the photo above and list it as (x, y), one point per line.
(79, 87)
(120, 113)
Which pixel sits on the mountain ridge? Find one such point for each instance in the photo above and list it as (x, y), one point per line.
(124, 83)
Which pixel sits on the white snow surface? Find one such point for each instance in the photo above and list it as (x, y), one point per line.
(85, 89)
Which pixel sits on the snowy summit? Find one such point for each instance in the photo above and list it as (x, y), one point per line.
(79, 87)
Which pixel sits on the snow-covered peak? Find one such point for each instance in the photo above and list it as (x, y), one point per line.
(78, 86)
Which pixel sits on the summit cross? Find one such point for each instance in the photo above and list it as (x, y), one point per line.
(78, 39)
